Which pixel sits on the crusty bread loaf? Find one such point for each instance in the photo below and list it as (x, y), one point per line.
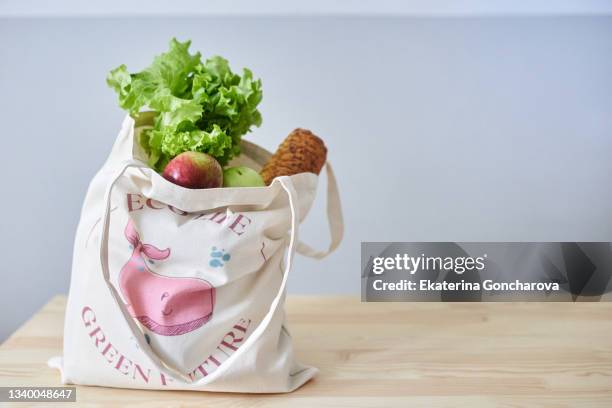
(302, 151)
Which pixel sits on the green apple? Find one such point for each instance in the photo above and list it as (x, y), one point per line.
(242, 176)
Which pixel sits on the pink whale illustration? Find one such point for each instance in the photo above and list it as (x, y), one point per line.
(169, 306)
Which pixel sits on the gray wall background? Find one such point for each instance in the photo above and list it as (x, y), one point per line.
(462, 129)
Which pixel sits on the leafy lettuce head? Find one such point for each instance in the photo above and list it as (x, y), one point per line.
(202, 106)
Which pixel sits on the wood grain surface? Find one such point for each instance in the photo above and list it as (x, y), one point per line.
(388, 354)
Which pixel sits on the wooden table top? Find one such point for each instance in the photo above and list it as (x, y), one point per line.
(388, 354)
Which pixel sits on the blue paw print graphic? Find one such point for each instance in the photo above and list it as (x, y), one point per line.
(218, 257)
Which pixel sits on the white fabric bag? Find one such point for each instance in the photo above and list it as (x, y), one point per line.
(184, 289)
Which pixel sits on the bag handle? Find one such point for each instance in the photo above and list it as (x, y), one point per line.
(334, 219)
(163, 367)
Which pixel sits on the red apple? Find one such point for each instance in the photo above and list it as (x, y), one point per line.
(194, 170)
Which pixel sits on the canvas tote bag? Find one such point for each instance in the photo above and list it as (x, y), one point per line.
(182, 289)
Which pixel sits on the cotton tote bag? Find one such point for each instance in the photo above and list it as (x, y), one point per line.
(184, 289)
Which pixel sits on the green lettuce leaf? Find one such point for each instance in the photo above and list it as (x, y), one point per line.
(202, 106)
